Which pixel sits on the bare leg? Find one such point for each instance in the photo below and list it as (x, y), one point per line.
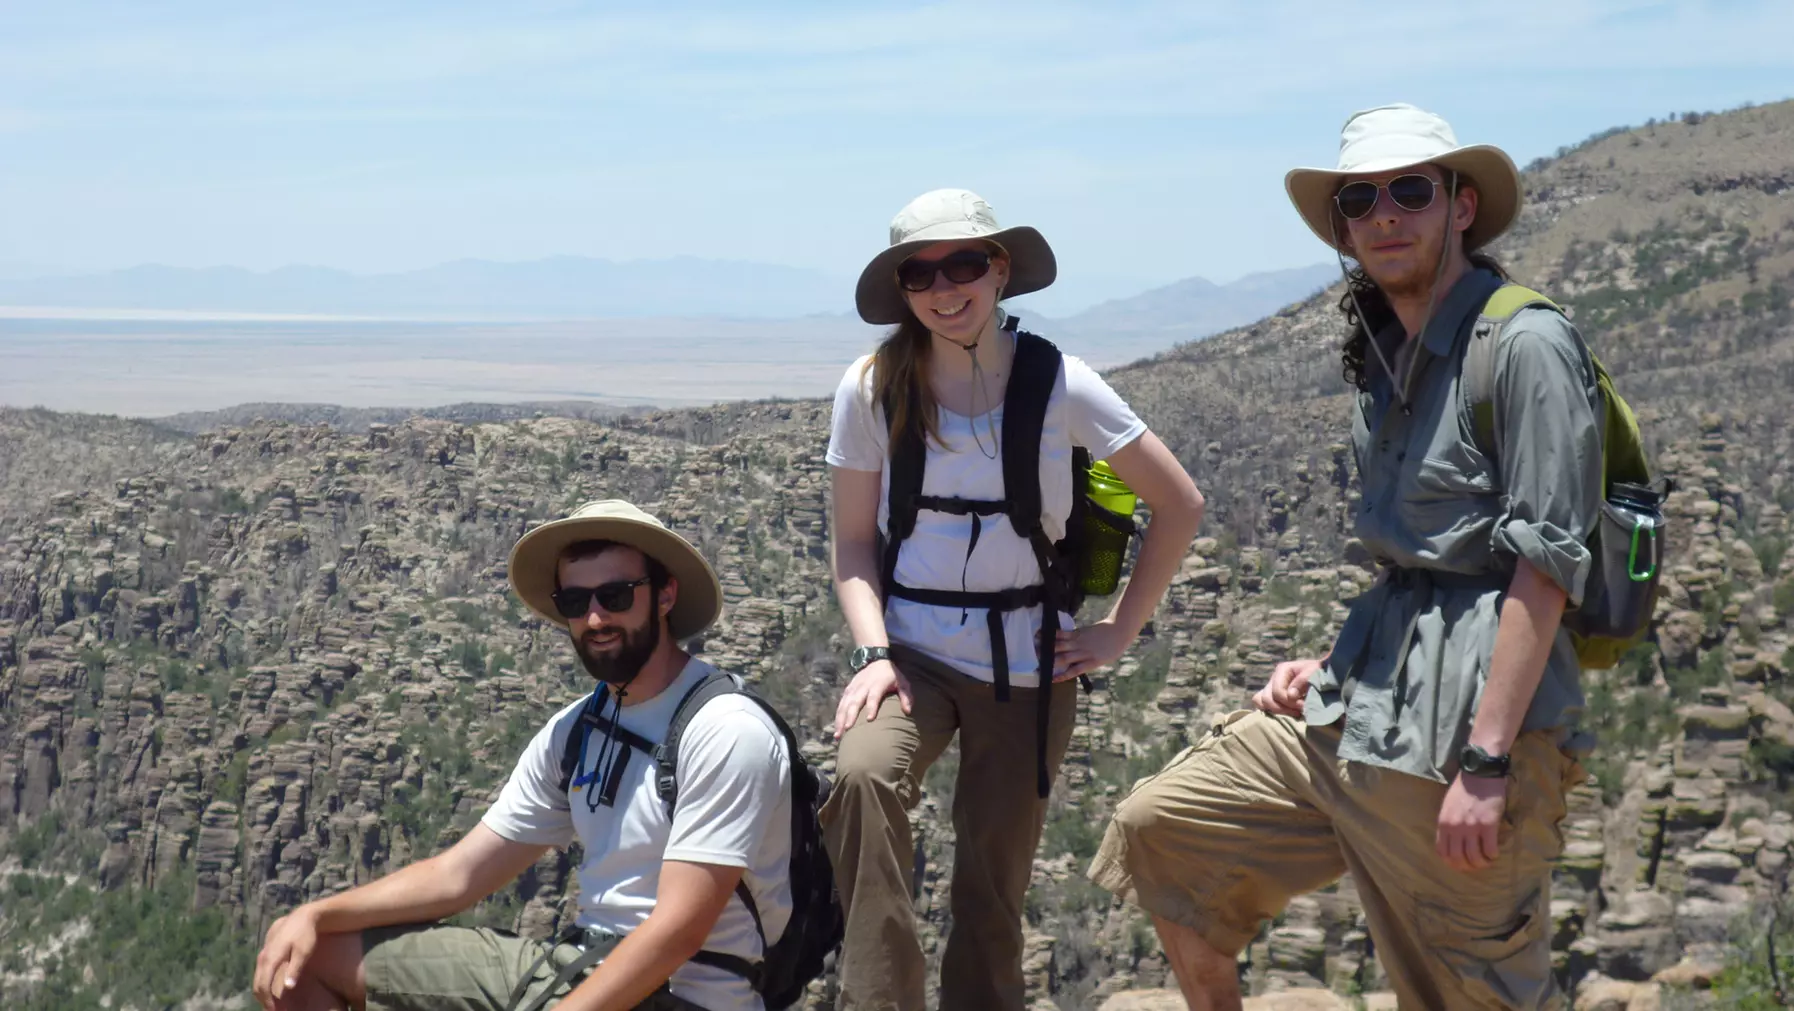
(311, 995)
(1210, 981)
(332, 980)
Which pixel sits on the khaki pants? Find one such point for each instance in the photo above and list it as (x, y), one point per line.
(436, 967)
(1262, 809)
(997, 818)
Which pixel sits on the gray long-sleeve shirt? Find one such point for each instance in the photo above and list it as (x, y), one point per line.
(1447, 524)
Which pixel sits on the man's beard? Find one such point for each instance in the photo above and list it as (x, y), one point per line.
(618, 665)
(1416, 282)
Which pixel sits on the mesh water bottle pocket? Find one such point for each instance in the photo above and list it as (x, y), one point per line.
(1106, 536)
(1621, 592)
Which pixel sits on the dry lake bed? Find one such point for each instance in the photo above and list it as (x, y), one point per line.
(149, 367)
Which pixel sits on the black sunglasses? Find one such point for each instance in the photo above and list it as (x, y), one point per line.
(1412, 192)
(963, 267)
(574, 601)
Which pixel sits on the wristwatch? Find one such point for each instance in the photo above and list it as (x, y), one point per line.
(863, 656)
(1474, 761)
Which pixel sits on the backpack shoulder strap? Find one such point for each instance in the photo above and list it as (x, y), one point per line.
(908, 459)
(666, 754)
(576, 735)
(1478, 379)
(589, 718)
(1031, 381)
(666, 783)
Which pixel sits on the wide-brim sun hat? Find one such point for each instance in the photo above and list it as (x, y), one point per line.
(1399, 136)
(535, 560)
(949, 216)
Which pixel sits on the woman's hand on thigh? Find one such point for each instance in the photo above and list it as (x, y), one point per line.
(867, 691)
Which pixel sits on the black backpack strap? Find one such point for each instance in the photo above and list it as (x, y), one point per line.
(1031, 380)
(1031, 383)
(750, 971)
(666, 753)
(908, 458)
(667, 756)
(591, 718)
(576, 736)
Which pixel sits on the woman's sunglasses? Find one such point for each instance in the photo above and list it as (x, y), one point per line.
(963, 267)
(1410, 192)
(574, 601)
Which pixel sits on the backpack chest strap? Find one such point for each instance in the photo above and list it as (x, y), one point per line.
(953, 506)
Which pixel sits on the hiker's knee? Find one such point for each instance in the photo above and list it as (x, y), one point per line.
(336, 965)
(1137, 818)
(861, 773)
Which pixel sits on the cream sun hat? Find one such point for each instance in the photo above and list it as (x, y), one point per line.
(1399, 136)
(946, 216)
(534, 561)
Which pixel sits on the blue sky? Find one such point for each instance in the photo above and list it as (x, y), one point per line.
(1147, 140)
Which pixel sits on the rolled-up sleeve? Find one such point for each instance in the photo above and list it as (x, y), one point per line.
(1549, 448)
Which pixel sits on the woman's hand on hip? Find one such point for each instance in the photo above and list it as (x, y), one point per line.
(1083, 650)
(867, 690)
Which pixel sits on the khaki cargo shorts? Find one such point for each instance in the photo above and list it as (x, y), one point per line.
(1262, 809)
(436, 967)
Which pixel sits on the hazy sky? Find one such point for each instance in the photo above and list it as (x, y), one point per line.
(1147, 140)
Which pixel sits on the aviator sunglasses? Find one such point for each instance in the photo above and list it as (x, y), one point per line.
(1413, 192)
(574, 601)
(963, 267)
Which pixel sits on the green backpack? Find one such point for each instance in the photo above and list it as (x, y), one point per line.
(1627, 541)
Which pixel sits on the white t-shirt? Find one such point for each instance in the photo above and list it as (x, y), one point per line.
(1083, 410)
(734, 810)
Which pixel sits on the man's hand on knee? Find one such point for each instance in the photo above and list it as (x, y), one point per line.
(1288, 688)
(281, 982)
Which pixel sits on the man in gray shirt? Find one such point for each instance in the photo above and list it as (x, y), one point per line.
(1431, 751)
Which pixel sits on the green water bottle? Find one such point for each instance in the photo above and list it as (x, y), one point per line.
(1108, 490)
(1108, 524)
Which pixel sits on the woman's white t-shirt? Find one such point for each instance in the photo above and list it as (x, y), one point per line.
(1083, 410)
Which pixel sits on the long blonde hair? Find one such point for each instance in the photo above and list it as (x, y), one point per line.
(900, 381)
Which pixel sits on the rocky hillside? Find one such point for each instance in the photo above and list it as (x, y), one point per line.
(243, 668)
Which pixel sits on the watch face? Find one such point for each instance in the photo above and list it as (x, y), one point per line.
(1473, 762)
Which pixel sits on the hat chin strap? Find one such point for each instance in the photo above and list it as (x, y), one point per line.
(1432, 300)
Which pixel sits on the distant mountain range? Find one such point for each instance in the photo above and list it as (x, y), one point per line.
(1153, 321)
(571, 287)
(557, 287)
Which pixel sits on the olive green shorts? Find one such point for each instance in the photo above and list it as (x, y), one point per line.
(436, 967)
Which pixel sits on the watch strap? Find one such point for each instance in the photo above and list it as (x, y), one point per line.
(1474, 761)
(866, 656)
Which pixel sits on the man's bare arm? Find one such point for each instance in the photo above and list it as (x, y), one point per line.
(690, 899)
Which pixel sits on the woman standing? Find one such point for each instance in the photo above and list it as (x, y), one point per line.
(953, 578)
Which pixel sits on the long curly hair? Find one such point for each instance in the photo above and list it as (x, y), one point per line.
(1362, 292)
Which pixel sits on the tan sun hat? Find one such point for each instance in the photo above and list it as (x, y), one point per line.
(535, 560)
(947, 216)
(1398, 136)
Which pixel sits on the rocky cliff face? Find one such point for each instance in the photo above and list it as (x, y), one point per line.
(242, 669)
